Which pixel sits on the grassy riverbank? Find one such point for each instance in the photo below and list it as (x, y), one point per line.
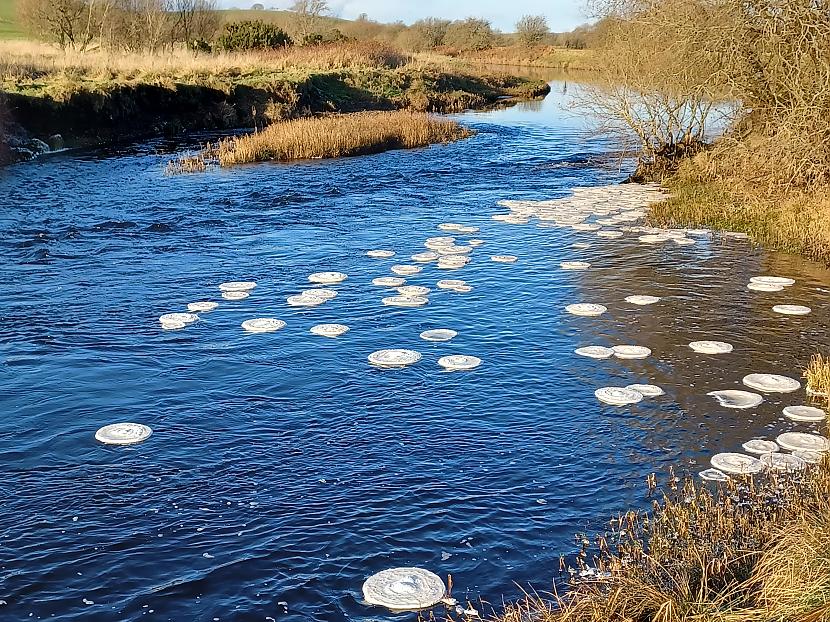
(94, 97)
(542, 56)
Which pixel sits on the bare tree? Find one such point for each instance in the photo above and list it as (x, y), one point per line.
(308, 14)
(64, 22)
(471, 34)
(193, 20)
(532, 29)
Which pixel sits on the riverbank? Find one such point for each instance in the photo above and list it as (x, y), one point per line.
(91, 98)
(541, 56)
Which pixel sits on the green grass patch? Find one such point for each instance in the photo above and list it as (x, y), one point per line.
(9, 26)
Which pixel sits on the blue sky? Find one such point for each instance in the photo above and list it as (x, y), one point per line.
(561, 14)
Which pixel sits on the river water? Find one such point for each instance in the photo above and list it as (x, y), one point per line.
(284, 469)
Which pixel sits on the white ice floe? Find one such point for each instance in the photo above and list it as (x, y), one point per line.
(737, 464)
(263, 325)
(805, 413)
(475, 242)
(631, 352)
(503, 258)
(202, 307)
(438, 334)
(595, 352)
(642, 300)
(764, 287)
(303, 300)
(771, 383)
(801, 441)
(389, 281)
(123, 433)
(586, 309)
(404, 589)
(450, 226)
(783, 462)
(574, 265)
(618, 396)
(810, 457)
(451, 283)
(760, 447)
(394, 357)
(380, 254)
(773, 280)
(459, 362)
(406, 270)
(325, 294)
(713, 475)
(237, 286)
(732, 398)
(711, 347)
(647, 390)
(235, 295)
(405, 301)
(413, 290)
(329, 330)
(184, 318)
(327, 278)
(172, 325)
(792, 309)
(424, 257)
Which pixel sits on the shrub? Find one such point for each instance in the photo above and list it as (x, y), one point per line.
(253, 35)
(471, 34)
(532, 29)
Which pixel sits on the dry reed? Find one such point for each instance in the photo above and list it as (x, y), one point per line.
(817, 375)
(336, 136)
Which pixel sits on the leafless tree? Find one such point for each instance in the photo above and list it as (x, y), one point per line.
(532, 29)
(308, 14)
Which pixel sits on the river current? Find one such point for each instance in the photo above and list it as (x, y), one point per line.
(284, 469)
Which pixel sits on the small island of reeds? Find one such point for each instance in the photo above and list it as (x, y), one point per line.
(330, 136)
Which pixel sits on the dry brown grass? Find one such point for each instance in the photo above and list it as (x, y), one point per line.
(331, 136)
(817, 375)
(747, 551)
(546, 56)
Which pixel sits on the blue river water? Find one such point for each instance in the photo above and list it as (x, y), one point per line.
(283, 468)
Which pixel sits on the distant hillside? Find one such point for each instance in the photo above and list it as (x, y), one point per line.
(9, 28)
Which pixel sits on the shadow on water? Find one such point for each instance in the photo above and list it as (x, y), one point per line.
(283, 469)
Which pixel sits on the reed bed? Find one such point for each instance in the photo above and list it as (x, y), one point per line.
(817, 375)
(335, 136)
(746, 551)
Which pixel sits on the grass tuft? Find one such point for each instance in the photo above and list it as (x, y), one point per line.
(817, 375)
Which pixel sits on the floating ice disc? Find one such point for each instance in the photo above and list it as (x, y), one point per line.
(302, 300)
(184, 318)
(424, 257)
(388, 281)
(792, 309)
(799, 441)
(438, 334)
(647, 390)
(475, 242)
(810, 457)
(631, 352)
(711, 347)
(237, 286)
(503, 258)
(380, 254)
(451, 283)
(459, 362)
(642, 300)
(263, 325)
(327, 277)
(595, 352)
(737, 464)
(713, 475)
(737, 399)
(404, 589)
(574, 265)
(394, 358)
(329, 330)
(123, 433)
(773, 280)
(325, 294)
(450, 226)
(462, 289)
(413, 290)
(405, 301)
(234, 295)
(764, 287)
(404, 270)
(771, 383)
(760, 447)
(783, 462)
(618, 396)
(172, 325)
(586, 309)
(202, 307)
(804, 413)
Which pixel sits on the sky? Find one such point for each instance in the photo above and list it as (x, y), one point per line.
(562, 15)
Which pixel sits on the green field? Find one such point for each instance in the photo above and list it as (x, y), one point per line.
(9, 28)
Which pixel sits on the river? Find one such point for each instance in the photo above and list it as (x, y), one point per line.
(283, 468)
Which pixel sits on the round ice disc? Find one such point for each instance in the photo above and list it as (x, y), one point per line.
(451, 283)
(263, 325)
(760, 447)
(711, 347)
(325, 294)
(438, 334)
(737, 399)
(792, 309)
(595, 352)
(424, 257)
(618, 396)
(184, 318)
(450, 226)
(459, 362)
(172, 325)
(202, 307)
(647, 390)
(586, 309)
(405, 270)
(737, 464)
(783, 462)
(574, 265)
(235, 295)
(327, 277)
(123, 433)
(388, 281)
(805, 413)
(394, 358)
(810, 457)
(380, 254)
(404, 589)
(642, 300)
(237, 286)
(413, 290)
(405, 301)
(771, 383)
(800, 441)
(764, 287)
(302, 300)
(773, 280)
(503, 258)
(329, 330)
(631, 352)
(713, 475)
